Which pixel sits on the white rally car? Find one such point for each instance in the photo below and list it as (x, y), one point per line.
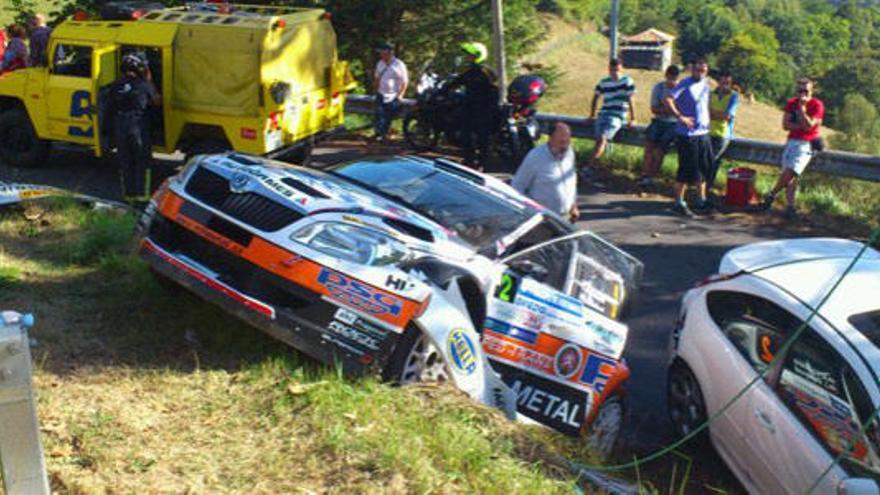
(419, 269)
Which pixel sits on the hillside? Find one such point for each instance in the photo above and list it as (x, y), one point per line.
(581, 53)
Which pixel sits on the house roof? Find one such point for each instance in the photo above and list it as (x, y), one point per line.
(649, 36)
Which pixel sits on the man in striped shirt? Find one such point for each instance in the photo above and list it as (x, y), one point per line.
(617, 92)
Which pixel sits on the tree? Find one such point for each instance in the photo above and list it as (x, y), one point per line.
(752, 57)
(859, 126)
(704, 28)
(857, 72)
(814, 41)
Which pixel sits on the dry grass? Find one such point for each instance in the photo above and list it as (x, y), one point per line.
(582, 53)
(144, 391)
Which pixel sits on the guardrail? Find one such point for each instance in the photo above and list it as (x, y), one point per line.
(839, 163)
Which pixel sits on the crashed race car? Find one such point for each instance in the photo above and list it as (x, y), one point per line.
(421, 270)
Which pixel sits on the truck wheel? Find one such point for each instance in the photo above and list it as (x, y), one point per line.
(415, 359)
(19, 144)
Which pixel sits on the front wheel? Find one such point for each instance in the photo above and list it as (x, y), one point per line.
(687, 409)
(605, 428)
(419, 133)
(416, 359)
(19, 144)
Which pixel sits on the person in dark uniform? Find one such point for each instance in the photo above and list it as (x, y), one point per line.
(130, 98)
(480, 104)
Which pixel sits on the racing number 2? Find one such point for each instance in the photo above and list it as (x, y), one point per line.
(507, 288)
(81, 106)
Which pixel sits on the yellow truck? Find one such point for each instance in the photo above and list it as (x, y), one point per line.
(262, 80)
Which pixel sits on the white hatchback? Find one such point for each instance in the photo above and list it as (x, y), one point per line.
(812, 403)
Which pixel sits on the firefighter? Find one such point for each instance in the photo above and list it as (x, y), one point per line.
(130, 98)
(480, 104)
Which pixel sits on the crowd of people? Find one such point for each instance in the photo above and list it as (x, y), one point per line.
(22, 46)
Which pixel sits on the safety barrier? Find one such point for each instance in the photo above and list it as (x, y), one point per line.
(839, 163)
(21, 453)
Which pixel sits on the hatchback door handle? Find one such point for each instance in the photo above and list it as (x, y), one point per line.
(765, 421)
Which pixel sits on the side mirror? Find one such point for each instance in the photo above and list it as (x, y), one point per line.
(529, 267)
(858, 486)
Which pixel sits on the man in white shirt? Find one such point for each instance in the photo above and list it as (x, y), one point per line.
(547, 174)
(389, 85)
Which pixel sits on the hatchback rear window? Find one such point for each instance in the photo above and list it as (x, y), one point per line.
(868, 324)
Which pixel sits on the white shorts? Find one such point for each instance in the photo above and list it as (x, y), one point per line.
(796, 155)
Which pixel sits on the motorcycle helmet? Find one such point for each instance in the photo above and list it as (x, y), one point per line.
(133, 62)
(475, 49)
(526, 90)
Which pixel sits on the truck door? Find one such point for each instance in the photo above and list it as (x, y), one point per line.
(70, 93)
(104, 72)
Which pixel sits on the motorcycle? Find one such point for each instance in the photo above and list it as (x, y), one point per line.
(438, 114)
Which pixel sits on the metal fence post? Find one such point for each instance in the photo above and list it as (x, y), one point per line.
(21, 453)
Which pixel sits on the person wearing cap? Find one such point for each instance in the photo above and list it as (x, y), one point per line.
(390, 81)
(480, 103)
(130, 98)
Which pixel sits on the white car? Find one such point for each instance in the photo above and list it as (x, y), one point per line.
(812, 403)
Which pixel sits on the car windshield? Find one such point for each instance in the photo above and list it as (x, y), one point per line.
(868, 324)
(478, 217)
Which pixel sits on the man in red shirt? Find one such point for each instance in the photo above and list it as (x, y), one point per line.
(802, 119)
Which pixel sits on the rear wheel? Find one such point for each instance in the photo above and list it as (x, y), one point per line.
(19, 144)
(416, 359)
(419, 132)
(605, 428)
(687, 410)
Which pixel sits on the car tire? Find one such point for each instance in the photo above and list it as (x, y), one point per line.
(19, 144)
(605, 429)
(416, 360)
(684, 401)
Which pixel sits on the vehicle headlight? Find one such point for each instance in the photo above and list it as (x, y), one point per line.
(353, 243)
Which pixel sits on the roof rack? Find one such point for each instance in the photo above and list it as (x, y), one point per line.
(226, 14)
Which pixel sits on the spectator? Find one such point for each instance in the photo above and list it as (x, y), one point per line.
(390, 80)
(547, 174)
(660, 134)
(39, 41)
(2, 44)
(616, 92)
(16, 55)
(803, 120)
(689, 103)
(480, 103)
(722, 111)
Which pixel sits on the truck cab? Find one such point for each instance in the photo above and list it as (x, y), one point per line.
(261, 80)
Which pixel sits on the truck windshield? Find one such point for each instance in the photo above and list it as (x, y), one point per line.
(478, 216)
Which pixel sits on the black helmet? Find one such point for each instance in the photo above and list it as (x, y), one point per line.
(133, 62)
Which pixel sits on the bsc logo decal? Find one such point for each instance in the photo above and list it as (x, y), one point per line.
(358, 294)
(462, 352)
(568, 361)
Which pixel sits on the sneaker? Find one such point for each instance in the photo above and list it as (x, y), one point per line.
(767, 203)
(682, 209)
(703, 206)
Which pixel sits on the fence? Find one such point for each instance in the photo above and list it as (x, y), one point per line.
(839, 163)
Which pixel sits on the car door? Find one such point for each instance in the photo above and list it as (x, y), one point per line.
(811, 411)
(70, 93)
(751, 331)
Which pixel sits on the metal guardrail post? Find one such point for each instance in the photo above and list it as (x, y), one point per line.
(838, 163)
(21, 453)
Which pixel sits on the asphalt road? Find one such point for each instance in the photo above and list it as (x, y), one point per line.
(676, 252)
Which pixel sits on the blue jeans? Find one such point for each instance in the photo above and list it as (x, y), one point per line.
(385, 113)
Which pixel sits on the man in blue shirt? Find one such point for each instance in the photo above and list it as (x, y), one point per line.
(547, 174)
(689, 103)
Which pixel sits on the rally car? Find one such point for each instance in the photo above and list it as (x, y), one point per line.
(418, 269)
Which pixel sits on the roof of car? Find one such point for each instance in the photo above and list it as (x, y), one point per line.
(765, 254)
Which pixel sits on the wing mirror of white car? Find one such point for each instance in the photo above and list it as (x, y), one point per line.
(858, 486)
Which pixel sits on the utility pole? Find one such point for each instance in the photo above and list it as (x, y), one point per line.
(498, 48)
(615, 6)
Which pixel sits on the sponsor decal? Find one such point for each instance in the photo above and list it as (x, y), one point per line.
(346, 316)
(513, 352)
(358, 294)
(396, 283)
(521, 334)
(209, 234)
(354, 335)
(248, 133)
(553, 404)
(507, 289)
(567, 361)
(351, 318)
(462, 352)
(264, 179)
(597, 371)
(238, 183)
(555, 300)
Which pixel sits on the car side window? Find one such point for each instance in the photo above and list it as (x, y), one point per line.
(826, 395)
(72, 60)
(755, 326)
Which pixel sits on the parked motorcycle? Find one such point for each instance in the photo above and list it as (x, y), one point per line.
(438, 114)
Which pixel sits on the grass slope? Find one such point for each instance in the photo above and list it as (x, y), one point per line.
(141, 390)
